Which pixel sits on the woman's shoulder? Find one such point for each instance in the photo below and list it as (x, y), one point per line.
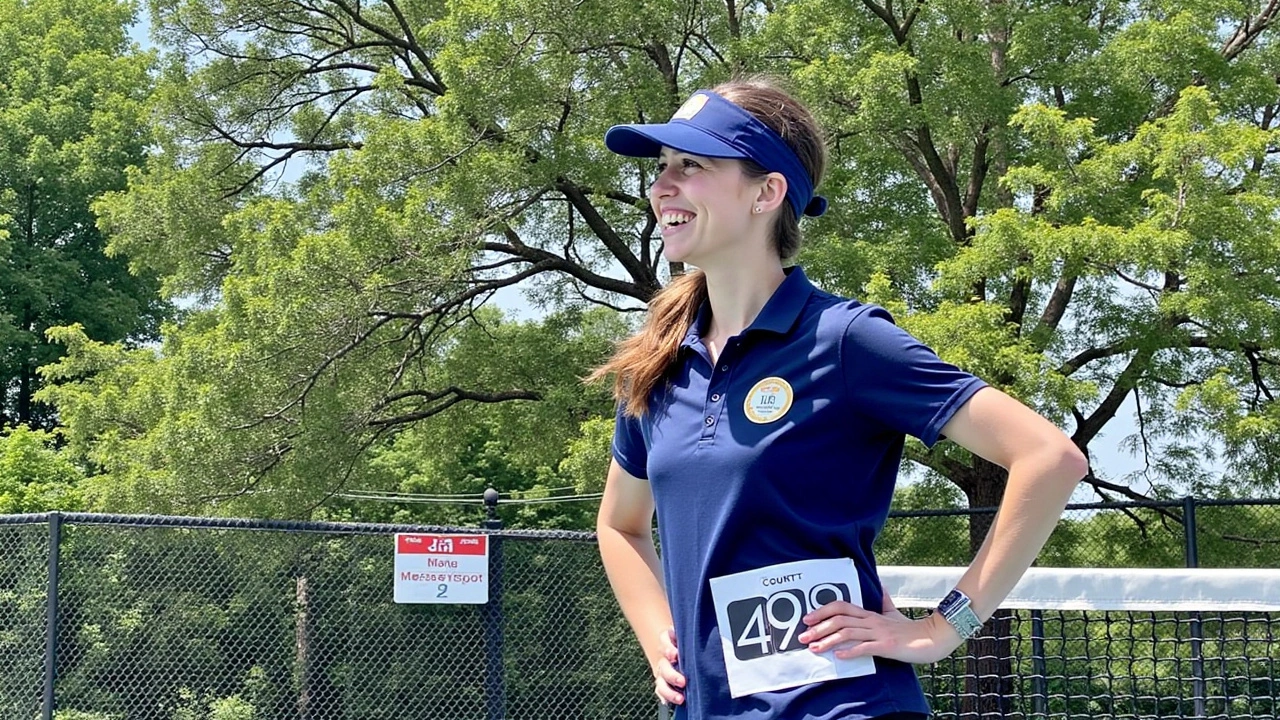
(843, 315)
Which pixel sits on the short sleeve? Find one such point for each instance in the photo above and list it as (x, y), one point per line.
(628, 445)
(894, 378)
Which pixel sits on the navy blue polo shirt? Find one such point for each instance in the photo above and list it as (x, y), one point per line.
(741, 482)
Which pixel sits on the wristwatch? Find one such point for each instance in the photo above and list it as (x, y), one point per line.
(956, 609)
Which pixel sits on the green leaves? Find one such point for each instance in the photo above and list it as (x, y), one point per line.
(71, 120)
(34, 475)
(1077, 202)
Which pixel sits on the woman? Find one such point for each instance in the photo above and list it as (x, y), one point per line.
(764, 419)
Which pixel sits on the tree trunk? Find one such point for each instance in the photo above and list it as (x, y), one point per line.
(990, 688)
(25, 390)
(302, 648)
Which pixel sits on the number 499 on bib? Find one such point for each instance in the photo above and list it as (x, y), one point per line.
(769, 625)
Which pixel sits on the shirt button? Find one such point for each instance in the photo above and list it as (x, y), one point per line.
(724, 368)
(715, 398)
(710, 421)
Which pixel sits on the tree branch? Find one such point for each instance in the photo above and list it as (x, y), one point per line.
(1054, 310)
(1252, 28)
(886, 15)
(735, 28)
(1081, 359)
(977, 173)
(433, 84)
(544, 261)
(933, 170)
(1106, 410)
(412, 45)
(636, 269)
(1020, 295)
(441, 400)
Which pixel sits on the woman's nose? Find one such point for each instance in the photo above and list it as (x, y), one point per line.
(662, 185)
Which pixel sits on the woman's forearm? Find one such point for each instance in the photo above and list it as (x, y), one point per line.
(635, 572)
(1038, 489)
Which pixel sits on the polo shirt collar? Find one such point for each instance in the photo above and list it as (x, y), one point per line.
(693, 337)
(778, 315)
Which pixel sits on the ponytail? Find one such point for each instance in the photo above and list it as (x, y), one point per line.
(644, 359)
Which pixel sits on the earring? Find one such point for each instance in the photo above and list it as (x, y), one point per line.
(757, 209)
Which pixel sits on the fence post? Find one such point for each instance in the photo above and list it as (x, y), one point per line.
(1189, 531)
(491, 612)
(51, 614)
(1039, 668)
(1197, 629)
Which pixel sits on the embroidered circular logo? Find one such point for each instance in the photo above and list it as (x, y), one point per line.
(768, 401)
(690, 107)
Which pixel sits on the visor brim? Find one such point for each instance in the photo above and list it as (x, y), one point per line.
(648, 141)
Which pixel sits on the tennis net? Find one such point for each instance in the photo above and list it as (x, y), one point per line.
(1114, 643)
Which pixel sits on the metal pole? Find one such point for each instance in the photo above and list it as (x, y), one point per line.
(1197, 629)
(1189, 531)
(1039, 669)
(491, 614)
(51, 615)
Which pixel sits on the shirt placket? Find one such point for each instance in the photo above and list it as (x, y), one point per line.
(718, 392)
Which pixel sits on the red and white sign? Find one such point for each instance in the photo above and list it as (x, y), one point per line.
(442, 569)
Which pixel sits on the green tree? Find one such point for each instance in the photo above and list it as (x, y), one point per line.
(34, 475)
(528, 449)
(922, 538)
(71, 119)
(1075, 201)
(155, 423)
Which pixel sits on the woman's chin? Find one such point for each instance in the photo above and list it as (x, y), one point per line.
(677, 253)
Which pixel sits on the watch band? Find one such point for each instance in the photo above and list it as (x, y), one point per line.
(956, 609)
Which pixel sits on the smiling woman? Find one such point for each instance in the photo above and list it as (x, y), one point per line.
(754, 126)
(709, 165)
(764, 421)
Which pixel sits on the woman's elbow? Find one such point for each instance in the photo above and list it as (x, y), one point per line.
(1070, 464)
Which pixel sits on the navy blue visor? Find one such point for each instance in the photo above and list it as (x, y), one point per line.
(710, 126)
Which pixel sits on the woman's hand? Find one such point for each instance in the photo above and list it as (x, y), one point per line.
(855, 632)
(667, 681)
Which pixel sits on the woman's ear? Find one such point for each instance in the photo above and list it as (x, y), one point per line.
(772, 193)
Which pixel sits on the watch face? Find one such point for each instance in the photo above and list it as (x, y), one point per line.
(955, 609)
(951, 601)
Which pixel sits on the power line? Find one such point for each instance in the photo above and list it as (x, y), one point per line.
(414, 500)
(567, 498)
(452, 496)
(447, 500)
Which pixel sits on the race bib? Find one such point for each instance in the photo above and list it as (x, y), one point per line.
(759, 613)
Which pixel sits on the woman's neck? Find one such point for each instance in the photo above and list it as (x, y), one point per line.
(739, 292)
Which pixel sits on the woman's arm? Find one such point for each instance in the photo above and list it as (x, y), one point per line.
(1044, 468)
(625, 531)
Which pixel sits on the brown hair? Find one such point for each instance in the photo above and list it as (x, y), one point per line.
(644, 359)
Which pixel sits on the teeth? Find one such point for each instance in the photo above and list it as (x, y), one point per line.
(675, 218)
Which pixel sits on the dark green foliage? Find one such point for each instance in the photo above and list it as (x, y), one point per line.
(71, 120)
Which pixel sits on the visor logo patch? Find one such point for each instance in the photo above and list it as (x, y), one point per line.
(768, 401)
(690, 107)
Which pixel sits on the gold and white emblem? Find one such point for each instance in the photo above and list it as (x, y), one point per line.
(768, 401)
(690, 107)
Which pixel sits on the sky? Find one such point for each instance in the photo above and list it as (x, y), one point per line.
(1109, 460)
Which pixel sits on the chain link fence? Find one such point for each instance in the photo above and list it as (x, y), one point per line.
(1153, 534)
(148, 618)
(190, 619)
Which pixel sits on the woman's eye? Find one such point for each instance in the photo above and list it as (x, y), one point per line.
(686, 166)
